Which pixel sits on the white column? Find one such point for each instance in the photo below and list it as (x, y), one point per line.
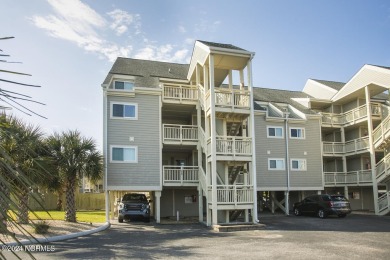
(157, 196)
(372, 150)
(287, 205)
(213, 142)
(344, 158)
(112, 198)
(230, 77)
(346, 192)
(200, 201)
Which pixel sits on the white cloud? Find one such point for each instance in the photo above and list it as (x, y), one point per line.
(182, 29)
(207, 26)
(162, 53)
(122, 19)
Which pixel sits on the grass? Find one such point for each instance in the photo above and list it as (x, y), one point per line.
(82, 216)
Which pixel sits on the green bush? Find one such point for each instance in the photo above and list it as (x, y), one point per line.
(41, 227)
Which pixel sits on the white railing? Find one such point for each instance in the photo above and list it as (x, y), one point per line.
(384, 202)
(180, 133)
(350, 117)
(180, 175)
(234, 194)
(180, 93)
(383, 168)
(202, 139)
(381, 132)
(353, 177)
(340, 148)
(203, 180)
(232, 98)
(233, 145)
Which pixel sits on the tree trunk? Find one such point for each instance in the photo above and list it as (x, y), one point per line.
(4, 199)
(70, 207)
(59, 200)
(23, 206)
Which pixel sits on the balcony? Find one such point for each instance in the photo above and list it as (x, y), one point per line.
(351, 117)
(230, 99)
(180, 134)
(383, 169)
(345, 178)
(382, 132)
(180, 175)
(232, 146)
(384, 204)
(351, 147)
(180, 94)
(233, 195)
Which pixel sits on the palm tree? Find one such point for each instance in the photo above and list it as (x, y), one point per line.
(24, 160)
(76, 156)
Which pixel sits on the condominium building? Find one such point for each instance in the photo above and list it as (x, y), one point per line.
(202, 142)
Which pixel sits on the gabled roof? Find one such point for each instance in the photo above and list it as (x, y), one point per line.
(282, 96)
(147, 69)
(383, 67)
(221, 45)
(332, 84)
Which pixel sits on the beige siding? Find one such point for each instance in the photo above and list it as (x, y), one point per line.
(308, 148)
(146, 134)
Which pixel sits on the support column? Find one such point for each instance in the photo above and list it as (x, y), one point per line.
(157, 197)
(112, 206)
(213, 143)
(372, 149)
(287, 206)
(200, 201)
(272, 202)
(346, 192)
(344, 158)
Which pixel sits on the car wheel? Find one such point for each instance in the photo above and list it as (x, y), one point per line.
(321, 213)
(342, 215)
(297, 212)
(120, 220)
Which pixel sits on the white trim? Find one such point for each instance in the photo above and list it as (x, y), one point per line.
(112, 103)
(298, 159)
(276, 137)
(303, 132)
(135, 188)
(292, 188)
(124, 146)
(276, 169)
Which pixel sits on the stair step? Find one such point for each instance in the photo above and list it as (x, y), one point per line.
(237, 227)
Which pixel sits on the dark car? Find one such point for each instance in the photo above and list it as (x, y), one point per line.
(323, 205)
(134, 205)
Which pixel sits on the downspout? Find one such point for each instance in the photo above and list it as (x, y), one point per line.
(287, 205)
(107, 197)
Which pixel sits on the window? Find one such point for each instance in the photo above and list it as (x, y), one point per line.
(298, 164)
(274, 132)
(298, 133)
(275, 164)
(124, 110)
(125, 154)
(123, 85)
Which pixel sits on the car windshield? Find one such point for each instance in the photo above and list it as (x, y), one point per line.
(137, 197)
(338, 198)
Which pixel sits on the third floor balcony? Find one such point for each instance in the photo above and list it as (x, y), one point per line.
(360, 145)
(180, 134)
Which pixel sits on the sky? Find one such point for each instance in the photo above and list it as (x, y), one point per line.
(69, 46)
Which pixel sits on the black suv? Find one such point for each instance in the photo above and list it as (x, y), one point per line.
(323, 205)
(134, 205)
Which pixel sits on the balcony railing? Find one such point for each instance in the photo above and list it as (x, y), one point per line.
(180, 133)
(232, 145)
(340, 148)
(353, 177)
(180, 175)
(383, 168)
(233, 98)
(381, 132)
(180, 93)
(384, 203)
(233, 194)
(351, 116)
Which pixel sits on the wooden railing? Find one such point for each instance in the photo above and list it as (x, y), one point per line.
(180, 93)
(381, 132)
(233, 98)
(384, 203)
(180, 175)
(350, 117)
(340, 148)
(233, 194)
(383, 168)
(180, 133)
(353, 177)
(233, 145)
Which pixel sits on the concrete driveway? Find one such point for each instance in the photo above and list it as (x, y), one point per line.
(304, 237)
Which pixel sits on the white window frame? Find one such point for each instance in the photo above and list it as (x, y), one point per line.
(124, 146)
(299, 161)
(124, 81)
(302, 131)
(112, 103)
(276, 169)
(278, 137)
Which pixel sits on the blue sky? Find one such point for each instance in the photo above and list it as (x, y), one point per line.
(69, 45)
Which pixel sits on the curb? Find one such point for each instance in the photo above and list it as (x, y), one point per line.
(60, 238)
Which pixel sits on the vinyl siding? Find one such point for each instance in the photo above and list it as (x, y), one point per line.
(146, 135)
(272, 179)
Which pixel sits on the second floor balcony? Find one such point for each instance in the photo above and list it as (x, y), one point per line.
(180, 175)
(180, 134)
(233, 195)
(348, 178)
(355, 146)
